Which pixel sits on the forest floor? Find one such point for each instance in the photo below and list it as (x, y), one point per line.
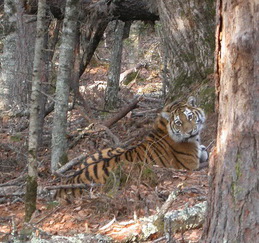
(140, 193)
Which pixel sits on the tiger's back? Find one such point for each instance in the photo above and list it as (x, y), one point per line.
(173, 142)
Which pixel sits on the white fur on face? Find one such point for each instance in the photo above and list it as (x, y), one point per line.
(187, 112)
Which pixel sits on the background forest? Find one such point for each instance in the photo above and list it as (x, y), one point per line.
(78, 76)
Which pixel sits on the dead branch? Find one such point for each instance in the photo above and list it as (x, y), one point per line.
(75, 238)
(11, 191)
(185, 219)
(71, 186)
(70, 164)
(17, 181)
(163, 222)
(106, 125)
(115, 139)
(131, 74)
(141, 113)
(123, 112)
(171, 198)
(87, 130)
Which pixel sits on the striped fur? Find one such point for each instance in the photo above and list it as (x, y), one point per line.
(173, 142)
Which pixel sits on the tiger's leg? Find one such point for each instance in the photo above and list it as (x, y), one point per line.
(203, 154)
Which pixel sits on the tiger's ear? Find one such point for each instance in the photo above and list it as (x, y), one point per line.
(191, 101)
(165, 115)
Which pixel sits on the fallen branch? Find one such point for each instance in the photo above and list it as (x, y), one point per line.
(185, 219)
(141, 113)
(162, 222)
(171, 198)
(131, 74)
(70, 186)
(107, 124)
(15, 182)
(123, 112)
(11, 191)
(70, 164)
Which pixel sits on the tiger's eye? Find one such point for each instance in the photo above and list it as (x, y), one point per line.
(190, 117)
(178, 123)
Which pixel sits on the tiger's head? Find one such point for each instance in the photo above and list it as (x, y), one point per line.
(185, 120)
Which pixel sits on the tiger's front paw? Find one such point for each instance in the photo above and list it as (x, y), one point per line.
(204, 155)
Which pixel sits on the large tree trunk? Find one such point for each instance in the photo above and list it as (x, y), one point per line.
(31, 186)
(187, 29)
(66, 60)
(233, 210)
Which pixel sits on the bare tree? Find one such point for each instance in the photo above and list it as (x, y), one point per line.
(31, 186)
(233, 212)
(8, 57)
(66, 59)
(112, 89)
(17, 57)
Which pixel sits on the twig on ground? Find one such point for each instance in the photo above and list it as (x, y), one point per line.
(115, 139)
(159, 239)
(108, 123)
(38, 229)
(171, 198)
(71, 186)
(55, 210)
(15, 182)
(15, 194)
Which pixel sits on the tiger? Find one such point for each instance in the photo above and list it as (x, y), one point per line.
(174, 141)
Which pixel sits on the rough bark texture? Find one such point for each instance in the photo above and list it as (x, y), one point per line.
(8, 57)
(59, 140)
(233, 212)
(112, 89)
(25, 42)
(17, 59)
(187, 31)
(31, 186)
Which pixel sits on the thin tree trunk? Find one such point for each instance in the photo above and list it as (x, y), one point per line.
(133, 43)
(233, 204)
(44, 84)
(66, 59)
(112, 89)
(8, 63)
(17, 58)
(25, 42)
(92, 42)
(31, 186)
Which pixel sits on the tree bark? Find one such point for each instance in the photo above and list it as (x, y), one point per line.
(123, 10)
(8, 57)
(187, 34)
(233, 212)
(112, 89)
(25, 43)
(31, 186)
(59, 140)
